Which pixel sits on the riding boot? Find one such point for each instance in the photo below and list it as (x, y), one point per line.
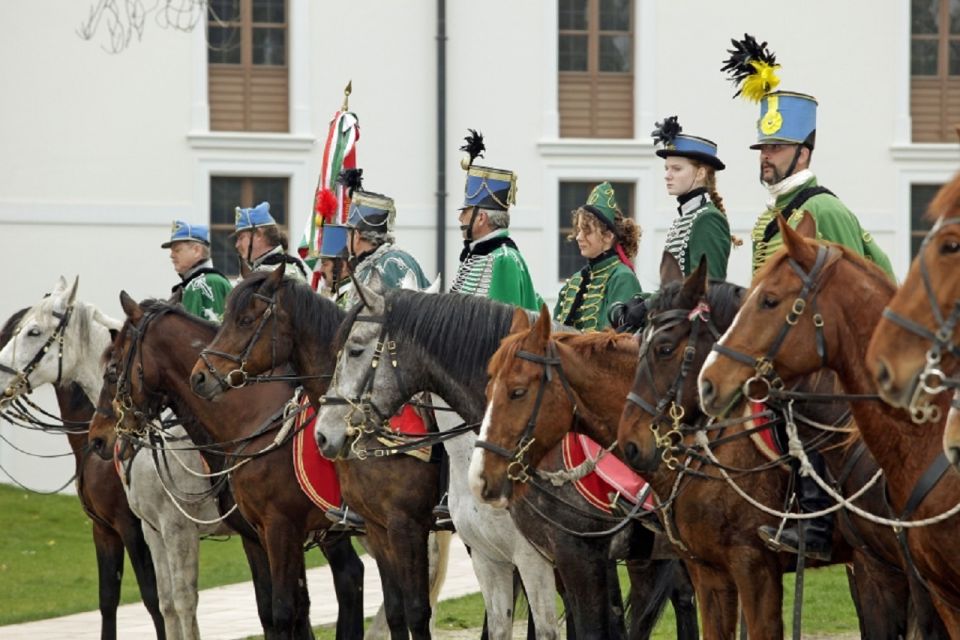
(345, 520)
(818, 533)
(441, 513)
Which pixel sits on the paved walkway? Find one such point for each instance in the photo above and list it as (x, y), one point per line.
(230, 612)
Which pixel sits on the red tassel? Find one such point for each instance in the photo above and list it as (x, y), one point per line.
(326, 204)
(623, 257)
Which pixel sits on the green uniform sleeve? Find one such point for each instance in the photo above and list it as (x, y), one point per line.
(510, 283)
(205, 297)
(564, 292)
(710, 237)
(621, 287)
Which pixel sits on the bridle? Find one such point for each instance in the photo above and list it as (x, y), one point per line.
(668, 409)
(765, 375)
(932, 379)
(226, 382)
(22, 376)
(518, 469)
(123, 398)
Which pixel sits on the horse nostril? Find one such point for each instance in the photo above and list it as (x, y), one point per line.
(882, 375)
(953, 455)
(197, 380)
(632, 452)
(97, 444)
(706, 391)
(321, 440)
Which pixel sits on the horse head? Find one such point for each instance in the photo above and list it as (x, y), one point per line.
(685, 320)
(915, 347)
(522, 421)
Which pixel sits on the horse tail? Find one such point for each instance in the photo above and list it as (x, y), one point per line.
(648, 598)
(439, 575)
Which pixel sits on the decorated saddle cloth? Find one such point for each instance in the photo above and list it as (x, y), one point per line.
(769, 438)
(609, 478)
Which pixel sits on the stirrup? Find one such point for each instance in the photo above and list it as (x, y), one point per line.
(345, 520)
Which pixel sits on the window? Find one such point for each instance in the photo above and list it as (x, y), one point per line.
(595, 66)
(920, 197)
(226, 194)
(247, 59)
(935, 69)
(572, 195)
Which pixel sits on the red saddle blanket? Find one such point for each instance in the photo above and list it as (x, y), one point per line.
(610, 476)
(315, 474)
(763, 439)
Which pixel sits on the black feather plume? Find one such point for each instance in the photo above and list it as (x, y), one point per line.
(352, 179)
(666, 131)
(738, 67)
(474, 145)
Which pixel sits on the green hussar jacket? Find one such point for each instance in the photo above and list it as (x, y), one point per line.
(588, 294)
(493, 268)
(203, 292)
(385, 268)
(700, 230)
(274, 258)
(835, 223)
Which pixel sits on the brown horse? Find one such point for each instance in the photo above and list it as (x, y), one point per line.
(916, 347)
(115, 527)
(150, 365)
(270, 321)
(675, 347)
(773, 341)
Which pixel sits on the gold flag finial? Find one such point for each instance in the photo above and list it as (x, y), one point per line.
(346, 96)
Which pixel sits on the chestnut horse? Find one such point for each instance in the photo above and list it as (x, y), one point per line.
(686, 318)
(394, 494)
(115, 527)
(772, 342)
(151, 359)
(441, 343)
(915, 351)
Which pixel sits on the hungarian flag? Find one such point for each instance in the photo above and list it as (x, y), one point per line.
(331, 200)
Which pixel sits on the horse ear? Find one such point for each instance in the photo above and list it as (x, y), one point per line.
(434, 286)
(808, 226)
(795, 243)
(73, 290)
(521, 321)
(273, 281)
(110, 323)
(670, 270)
(696, 284)
(59, 286)
(130, 307)
(544, 323)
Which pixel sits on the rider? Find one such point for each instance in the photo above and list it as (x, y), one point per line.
(261, 244)
(608, 241)
(334, 263)
(377, 263)
(786, 133)
(700, 228)
(202, 289)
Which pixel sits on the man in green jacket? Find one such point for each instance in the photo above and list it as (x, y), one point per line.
(202, 289)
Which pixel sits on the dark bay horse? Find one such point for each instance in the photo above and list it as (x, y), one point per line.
(150, 362)
(440, 343)
(270, 321)
(915, 350)
(115, 527)
(675, 347)
(844, 296)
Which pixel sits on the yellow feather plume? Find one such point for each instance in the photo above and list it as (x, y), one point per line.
(760, 83)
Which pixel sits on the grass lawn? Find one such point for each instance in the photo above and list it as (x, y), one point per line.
(48, 566)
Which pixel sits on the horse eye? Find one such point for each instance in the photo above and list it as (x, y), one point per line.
(769, 302)
(355, 352)
(34, 332)
(665, 350)
(244, 321)
(518, 393)
(950, 246)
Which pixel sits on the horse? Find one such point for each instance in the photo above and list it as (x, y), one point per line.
(150, 361)
(115, 527)
(397, 521)
(440, 344)
(686, 319)
(916, 347)
(825, 296)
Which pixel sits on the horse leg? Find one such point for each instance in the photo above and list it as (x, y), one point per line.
(262, 585)
(539, 582)
(584, 573)
(143, 568)
(877, 587)
(392, 590)
(348, 584)
(717, 596)
(408, 539)
(651, 583)
(284, 546)
(923, 616)
(760, 585)
(164, 582)
(496, 586)
(684, 600)
(182, 547)
(109, 549)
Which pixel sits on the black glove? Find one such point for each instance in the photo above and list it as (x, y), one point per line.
(630, 316)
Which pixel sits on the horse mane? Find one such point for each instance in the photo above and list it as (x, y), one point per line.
(724, 299)
(310, 313)
(6, 333)
(461, 332)
(154, 305)
(947, 199)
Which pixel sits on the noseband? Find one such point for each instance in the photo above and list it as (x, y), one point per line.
(765, 374)
(22, 376)
(226, 382)
(932, 379)
(518, 469)
(669, 408)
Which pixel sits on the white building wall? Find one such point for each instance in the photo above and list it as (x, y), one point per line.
(100, 152)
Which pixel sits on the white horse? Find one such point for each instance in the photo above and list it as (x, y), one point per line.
(74, 335)
(496, 545)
